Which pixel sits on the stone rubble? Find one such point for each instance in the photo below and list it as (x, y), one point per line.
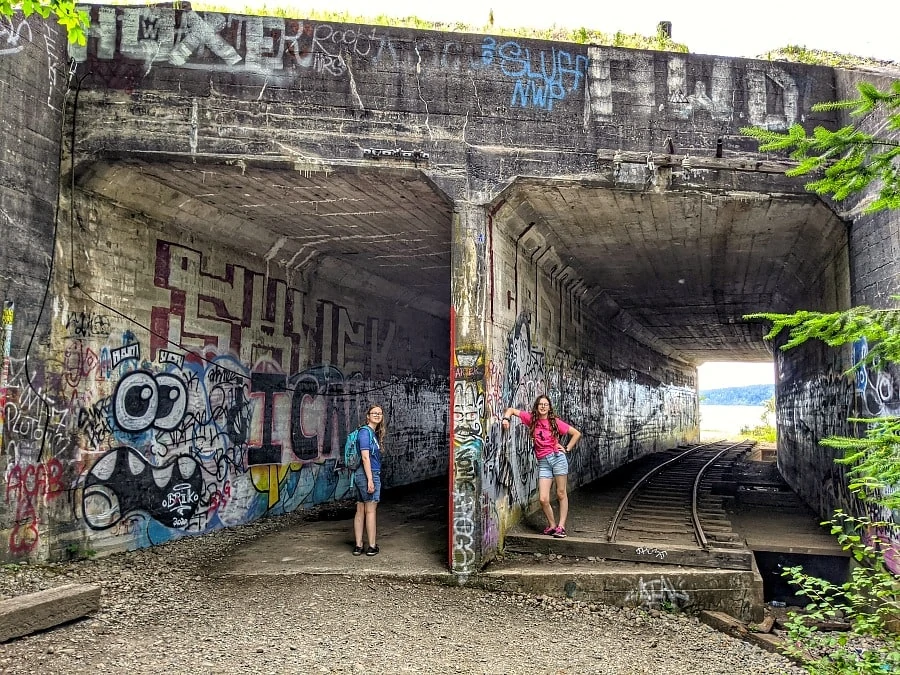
(170, 609)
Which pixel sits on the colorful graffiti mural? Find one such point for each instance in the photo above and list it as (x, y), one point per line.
(218, 416)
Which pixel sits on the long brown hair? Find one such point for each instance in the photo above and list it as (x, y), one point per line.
(381, 427)
(551, 415)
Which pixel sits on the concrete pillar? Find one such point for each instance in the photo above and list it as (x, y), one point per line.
(469, 296)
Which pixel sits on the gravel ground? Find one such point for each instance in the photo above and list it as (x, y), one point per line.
(168, 610)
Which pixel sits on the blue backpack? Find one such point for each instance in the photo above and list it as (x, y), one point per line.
(352, 457)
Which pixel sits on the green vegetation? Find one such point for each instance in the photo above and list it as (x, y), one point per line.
(659, 42)
(753, 394)
(77, 551)
(765, 431)
(74, 21)
(818, 57)
(847, 162)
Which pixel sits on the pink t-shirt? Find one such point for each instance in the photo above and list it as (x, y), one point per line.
(546, 441)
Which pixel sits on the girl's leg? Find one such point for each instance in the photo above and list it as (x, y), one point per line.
(563, 497)
(358, 522)
(544, 494)
(370, 522)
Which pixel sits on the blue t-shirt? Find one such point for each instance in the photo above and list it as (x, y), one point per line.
(368, 442)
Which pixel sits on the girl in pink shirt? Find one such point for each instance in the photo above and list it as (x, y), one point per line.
(547, 431)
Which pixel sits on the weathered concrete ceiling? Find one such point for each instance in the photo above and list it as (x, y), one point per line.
(684, 264)
(391, 223)
(680, 267)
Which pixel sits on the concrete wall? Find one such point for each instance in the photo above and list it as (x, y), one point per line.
(247, 416)
(626, 399)
(187, 82)
(815, 397)
(32, 85)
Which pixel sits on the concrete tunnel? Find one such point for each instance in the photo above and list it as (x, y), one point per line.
(250, 238)
(669, 271)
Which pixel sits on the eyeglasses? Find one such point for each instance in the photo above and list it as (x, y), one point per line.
(374, 414)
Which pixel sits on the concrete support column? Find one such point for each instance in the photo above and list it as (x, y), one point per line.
(469, 294)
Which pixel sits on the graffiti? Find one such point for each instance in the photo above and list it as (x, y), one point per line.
(87, 324)
(509, 464)
(128, 352)
(878, 394)
(655, 552)
(711, 92)
(620, 85)
(326, 53)
(254, 315)
(80, 362)
(210, 40)
(657, 594)
(540, 80)
(467, 401)
(12, 36)
(54, 67)
(490, 524)
(36, 437)
(144, 400)
(35, 426)
(6, 325)
(27, 485)
(877, 384)
(464, 508)
(122, 482)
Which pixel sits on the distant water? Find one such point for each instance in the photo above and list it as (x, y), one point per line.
(725, 421)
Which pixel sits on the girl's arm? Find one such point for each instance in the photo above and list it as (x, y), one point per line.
(507, 416)
(574, 437)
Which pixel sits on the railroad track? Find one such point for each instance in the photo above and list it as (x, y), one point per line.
(672, 505)
(673, 514)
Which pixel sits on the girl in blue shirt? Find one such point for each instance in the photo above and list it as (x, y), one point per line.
(367, 479)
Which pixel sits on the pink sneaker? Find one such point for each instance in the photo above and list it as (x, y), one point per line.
(559, 533)
(549, 531)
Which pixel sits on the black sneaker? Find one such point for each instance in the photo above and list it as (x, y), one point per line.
(372, 550)
(357, 550)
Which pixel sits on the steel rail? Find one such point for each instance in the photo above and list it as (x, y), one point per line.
(699, 534)
(626, 500)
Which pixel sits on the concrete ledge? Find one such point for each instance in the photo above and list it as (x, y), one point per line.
(647, 586)
(38, 611)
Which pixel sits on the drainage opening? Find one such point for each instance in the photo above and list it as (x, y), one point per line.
(833, 568)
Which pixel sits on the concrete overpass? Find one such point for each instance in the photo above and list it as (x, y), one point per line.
(265, 223)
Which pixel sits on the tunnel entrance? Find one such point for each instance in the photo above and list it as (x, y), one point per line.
(737, 400)
(284, 298)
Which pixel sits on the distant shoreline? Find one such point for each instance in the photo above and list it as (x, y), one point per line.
(753, 394)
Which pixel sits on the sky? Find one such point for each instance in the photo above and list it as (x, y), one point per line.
(715, 375)
(869, 29)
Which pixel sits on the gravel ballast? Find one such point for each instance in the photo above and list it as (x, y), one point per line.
(169, 609)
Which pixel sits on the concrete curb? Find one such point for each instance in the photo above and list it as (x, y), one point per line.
(30, 613)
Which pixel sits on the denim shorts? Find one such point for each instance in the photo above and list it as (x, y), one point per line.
(359, 480)
(554, 464)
